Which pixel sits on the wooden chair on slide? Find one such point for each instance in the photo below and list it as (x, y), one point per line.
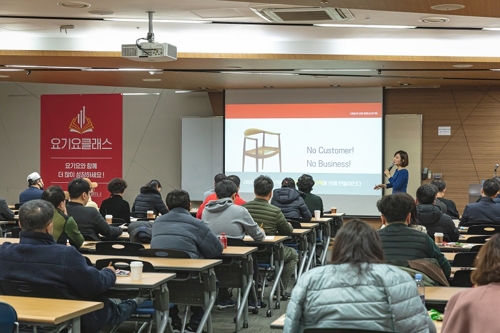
(260, 152)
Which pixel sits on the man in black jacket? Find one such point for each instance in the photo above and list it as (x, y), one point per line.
(90, 222)
(485, 210)
(451, 207)
(431, 216)
(400, 242)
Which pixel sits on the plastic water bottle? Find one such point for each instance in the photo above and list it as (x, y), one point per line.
(223, 240)
(420, 287)
(68, 243)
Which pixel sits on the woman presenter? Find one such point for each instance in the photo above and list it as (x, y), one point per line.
(399, 181)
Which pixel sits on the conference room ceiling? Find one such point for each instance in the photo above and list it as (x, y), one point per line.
(240, 49)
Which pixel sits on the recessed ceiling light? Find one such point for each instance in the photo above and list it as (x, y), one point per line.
(151, 80)
(462, 65)
(434, 19)
(101, 12)
(4, 76)
(74, 4)
(448, 7)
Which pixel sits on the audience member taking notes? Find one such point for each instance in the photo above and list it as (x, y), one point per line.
(357, 290)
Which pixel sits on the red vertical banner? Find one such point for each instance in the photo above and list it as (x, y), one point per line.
(81, 136)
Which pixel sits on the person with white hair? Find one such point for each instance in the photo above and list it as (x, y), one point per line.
(34, 190)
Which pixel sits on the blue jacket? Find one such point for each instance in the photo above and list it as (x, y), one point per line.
(178, 230)
(38, 259)
(399, 181)
(291, 204)
(382, 298)
(31, 193)
(484, 211)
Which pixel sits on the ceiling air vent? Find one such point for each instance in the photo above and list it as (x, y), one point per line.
(311, 14)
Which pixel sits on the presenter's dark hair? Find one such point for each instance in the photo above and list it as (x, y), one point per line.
(426, 194)
(235, 179)
(487, 262)
(263, 185)
(225, 189)
(77, 187)
(35, 215)
(441, 185)
(154, 184)
(490, 187)
(305, 183)
(288, 182)
(357, 243)
(54, 194)
(396, 207)
(219, 177)
(178, 198)
(117, 186)
(404, 157)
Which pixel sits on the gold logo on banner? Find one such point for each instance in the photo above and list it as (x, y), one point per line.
(81, 123)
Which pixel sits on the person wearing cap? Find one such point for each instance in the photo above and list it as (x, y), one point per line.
(35, 189)
(93, 185)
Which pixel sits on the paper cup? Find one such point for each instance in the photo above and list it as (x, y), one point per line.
(317, 214)
(136, 270)
(333, 210)
(109, 219)
(438, 237)
(151, 214)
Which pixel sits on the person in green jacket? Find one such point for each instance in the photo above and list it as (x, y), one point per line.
(272, 220)
(305, 185)
(65, 227)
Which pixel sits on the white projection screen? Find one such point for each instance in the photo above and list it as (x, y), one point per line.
(335, 135)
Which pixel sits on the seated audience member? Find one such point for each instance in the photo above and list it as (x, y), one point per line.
(224, 216)
(217, 178)
(150, 199)
(5, 213)
(497, 197)
(400, 242)
(357, 290)
(38, 259)
(237, 199)
(180, 231)
(90, 223)
(474, 309)
(93, 185)
(305, 185)
(273, 222)
(414, 222)
(431, 215)
(288, 199)
(485, 210)
(451, 207)
(115, 205)
(64, 226)
(34, 190)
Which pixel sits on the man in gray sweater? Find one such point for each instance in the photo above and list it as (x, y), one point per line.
(223, 216)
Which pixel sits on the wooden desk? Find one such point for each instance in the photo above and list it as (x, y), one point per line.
(238, 251)
(462, 248)
(90, 245)
(441, 294)
(48, 311)
(9, 240)
(308, 225)
(450, 256)
(334, 214)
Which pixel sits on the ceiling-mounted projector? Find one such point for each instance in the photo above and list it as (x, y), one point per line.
(149, 51)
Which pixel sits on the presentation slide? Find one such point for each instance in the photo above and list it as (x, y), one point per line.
(333, 135)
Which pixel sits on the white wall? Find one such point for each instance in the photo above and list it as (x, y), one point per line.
(151, 133)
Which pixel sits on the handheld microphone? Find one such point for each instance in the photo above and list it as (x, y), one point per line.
(392, 165)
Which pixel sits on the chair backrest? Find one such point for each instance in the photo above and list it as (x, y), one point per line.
(476, 248)
(137, 214)
(483, 229)
(123, 263)
(163, 253)
(8, 318)
(295, 224)
(464, 259)
(236, 242)
(30, 289)
(462, 278)
(339, 330)
(478, 239)
(14, 232)
(118, 248)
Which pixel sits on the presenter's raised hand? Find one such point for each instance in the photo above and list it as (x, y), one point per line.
(387, 173)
